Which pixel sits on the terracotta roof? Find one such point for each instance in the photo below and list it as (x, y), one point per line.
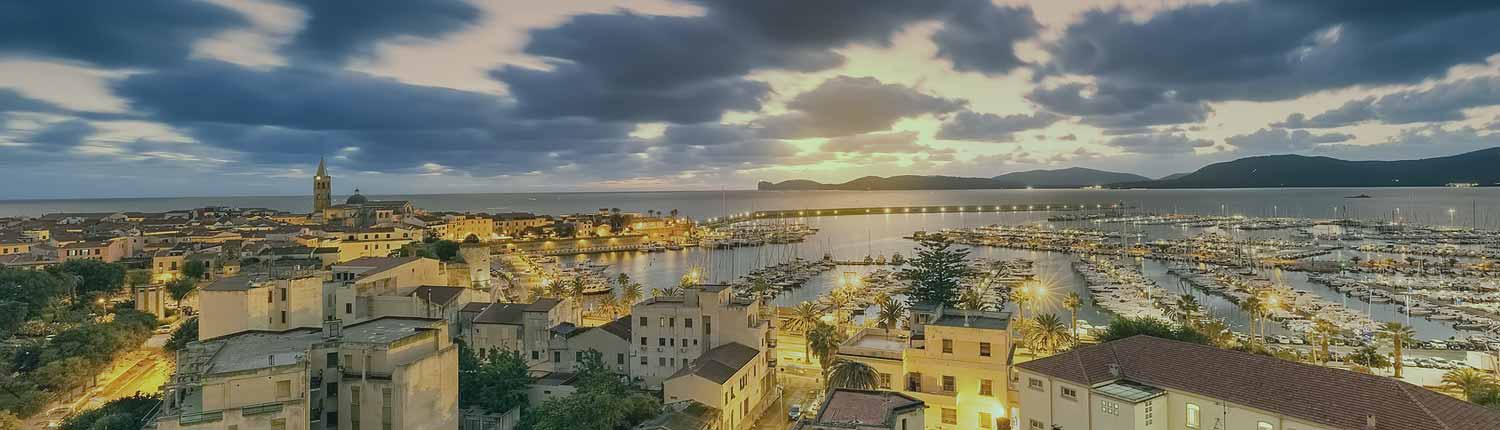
(862, 409)
(1330, 397)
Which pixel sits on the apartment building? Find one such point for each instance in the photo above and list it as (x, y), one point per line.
(261, 303)
(525, 327)
(375, 286)
(848, 409)
(385, 373)
(1148, 383)
(954, 361)
(671, 332)
(733, 378)
(611, 340)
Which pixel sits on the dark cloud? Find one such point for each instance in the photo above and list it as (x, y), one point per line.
(1273, 50)
(337, 31)
(1160, 143)
(49, 144)
(292, 114)
(111, 33)
(1115, 107)
(981, 37)
(843, 106)
(900, 142)
(1278, 141)
(1349, 113)
(1416, 142)
(993, 128)
(601, 64)
(1157, 114)
(14, 101)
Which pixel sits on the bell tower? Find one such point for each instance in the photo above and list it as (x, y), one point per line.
(322, 188)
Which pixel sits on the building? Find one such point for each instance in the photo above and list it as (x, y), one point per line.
(371, 242)
(732, 377)
(370, 287)
(684, 415)
(455, 227)
(322, 188)
(672, 331)
(108, 251)
(611, 340)
(1149, 383)
(847, 409)
(386, 373)
(527, 328)
(359, 211)
(514, 224)
(954, 361)
(261, 303)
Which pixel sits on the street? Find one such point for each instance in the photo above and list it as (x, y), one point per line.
(141, 371)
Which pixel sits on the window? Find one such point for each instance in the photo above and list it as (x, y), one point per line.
(708, 325)
(283, 389)
(1036, 425)
(661, 341)
(885, 381)
(948, 384)
(283, 317)
(386, 408)
(1109, 407)
(671, 322)
(661, 361)
(1264, 426)
(536, 355)
(914, 381)
(1069, 393)
(985, 421)
(950, 416)
(1033, 383)
(348, 308)
(1192, 416)
(556, 356)
(620, 358)
(984, 349)
(986, 387)
(645, 321)
(643, 341)
(672, 342)
(645, 361)
(684, 342)
(278, 424)
(332, 388)
(354, 407)
(333, 359)
(687, 323)
(947, 346)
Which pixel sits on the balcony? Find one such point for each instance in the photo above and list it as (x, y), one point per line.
(264, 408)
(200, 418)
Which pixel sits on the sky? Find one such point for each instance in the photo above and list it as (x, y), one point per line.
(107, 98)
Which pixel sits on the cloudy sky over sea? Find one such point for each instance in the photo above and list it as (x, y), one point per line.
(236, 97)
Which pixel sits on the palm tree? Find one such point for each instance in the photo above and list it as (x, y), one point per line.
(971, 299)
(610, 303)
(805, 316)
(1399, 335)
(630, 293)
(1252, 305)
(823, 340)
(666, 292)
(1469, 381)
(1049, 334)
(1325, 330)
(837, 300)
(1073, 302)
(1186, 310)
(1217, 331)
(853, 375)
(892, 311)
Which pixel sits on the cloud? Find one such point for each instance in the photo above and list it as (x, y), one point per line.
(1352, 112)
(52, 143)
(894, 142)
(1440, 103)
(1276, 140)
(1276, 49)
(1114, 107)
(108, 33)
(1161, 143)
(337, 31)
(600, 64)
(1157, 114)
(14, 101)
(993, 128)
(844, 105)
(1417, 142)
(981, 37)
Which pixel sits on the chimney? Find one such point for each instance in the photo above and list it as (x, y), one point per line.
(1114, 370)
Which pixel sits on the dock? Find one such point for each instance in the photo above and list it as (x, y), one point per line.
(907, 210)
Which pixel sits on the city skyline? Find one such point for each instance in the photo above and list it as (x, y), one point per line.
(243, 97)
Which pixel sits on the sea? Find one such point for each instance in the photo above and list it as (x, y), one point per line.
(852, 237)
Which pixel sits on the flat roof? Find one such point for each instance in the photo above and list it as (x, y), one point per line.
(385, 329)
(1130, 391)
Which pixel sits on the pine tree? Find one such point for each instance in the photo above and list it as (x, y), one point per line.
(935, 273)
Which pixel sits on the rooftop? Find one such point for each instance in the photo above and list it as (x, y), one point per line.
(438, 294)
(1319, 395)
(386, 329)
(720, 363)
(684, 415)
(1129, 391)
(501, 313)
(374, 265)
(850, 409)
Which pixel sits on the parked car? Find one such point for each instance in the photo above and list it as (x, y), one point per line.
(795, 412)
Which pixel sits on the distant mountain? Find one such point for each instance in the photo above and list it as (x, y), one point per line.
(1072, 177)
(904, 182)
(1173, 176)
(1482, 167)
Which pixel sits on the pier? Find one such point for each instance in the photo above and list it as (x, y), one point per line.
(893, 210)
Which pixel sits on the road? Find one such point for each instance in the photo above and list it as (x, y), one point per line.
(143, 370)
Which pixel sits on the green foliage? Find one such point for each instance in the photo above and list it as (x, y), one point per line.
(823, 341)
(1121, 328)
(853, 375)
(935, 273)
(603, 401)
(1370, 357)
(137, 277)
(94, 276)
(37, 289)
(40, 371)
(493, 380)
(120, 414)
(179, 289)
(185, 333)
(196, 269)
(444, 250)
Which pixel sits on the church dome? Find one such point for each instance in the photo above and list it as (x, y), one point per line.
(356, 199)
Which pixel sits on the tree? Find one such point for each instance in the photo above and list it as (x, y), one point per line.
(853, 375)
(823, 340)
(804, 317)
(1120, 328)
(935, 273)
(1255, 307)
(1370, 357)
(1185, 310)
(124, 413)
(892, 311)
(1399, 335)
(181, 288)
(1217, 333)
(93, 276)
(666, 292)
(493, 380)
(136, 278)
(1048, 335)
(185, 333)
(1073, 302)
(9, 421)
(602, 402)
(1469, 381)
(630, 293)
(1325, 331)
(444, 250)
(971, 299)
(195, 269)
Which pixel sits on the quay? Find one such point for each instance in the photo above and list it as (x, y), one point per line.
(931, 209)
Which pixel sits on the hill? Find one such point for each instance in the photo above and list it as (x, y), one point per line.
(1304, 171)
(1072, 177)
(903, 182)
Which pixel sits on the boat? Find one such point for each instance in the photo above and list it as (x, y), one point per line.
(1358, 196)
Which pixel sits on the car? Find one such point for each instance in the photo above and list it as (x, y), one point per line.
(164, 329)
(795, 412)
